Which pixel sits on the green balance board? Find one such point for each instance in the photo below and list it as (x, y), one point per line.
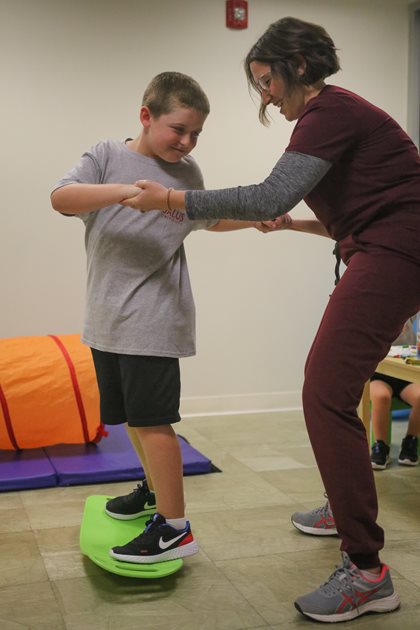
(99, 532)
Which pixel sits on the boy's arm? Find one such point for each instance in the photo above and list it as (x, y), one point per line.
(226, 225)
(79, 198)
(285, 222)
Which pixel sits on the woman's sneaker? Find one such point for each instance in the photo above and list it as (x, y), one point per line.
(319, 522)
(409, 451)
(379, 455)
(159, 542)
(140, 502)
(349, 593)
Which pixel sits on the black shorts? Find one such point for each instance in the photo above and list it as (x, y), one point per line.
(142, 391)
(396, 384)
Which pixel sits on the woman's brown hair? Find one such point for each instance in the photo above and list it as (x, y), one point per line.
(283, 46)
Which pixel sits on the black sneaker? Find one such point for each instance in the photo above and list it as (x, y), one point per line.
(158, 542)
(140, 502)
(379, 455)
(409, 453)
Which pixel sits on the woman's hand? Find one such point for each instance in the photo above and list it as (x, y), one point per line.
(151, 196)
(283, 222)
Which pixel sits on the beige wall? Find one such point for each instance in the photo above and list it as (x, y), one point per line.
(74, 72)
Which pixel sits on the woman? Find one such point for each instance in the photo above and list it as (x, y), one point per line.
(359, 173)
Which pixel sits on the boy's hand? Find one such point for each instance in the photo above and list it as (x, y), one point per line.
(128, 192)
(150, 196)
(280, 223)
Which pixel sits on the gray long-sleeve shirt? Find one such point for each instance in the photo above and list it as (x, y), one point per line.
(293, 177)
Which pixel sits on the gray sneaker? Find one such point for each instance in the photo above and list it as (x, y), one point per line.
(349, 594)
(318, 522)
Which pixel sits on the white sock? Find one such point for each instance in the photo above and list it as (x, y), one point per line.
(177, 523)
(369, 575)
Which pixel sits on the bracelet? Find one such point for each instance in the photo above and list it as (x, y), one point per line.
(168, 200)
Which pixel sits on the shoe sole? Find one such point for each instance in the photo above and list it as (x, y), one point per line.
(130, 517)
(407, 462)
(172, 554)
(383, 605)
(376, 466)
(315, 531)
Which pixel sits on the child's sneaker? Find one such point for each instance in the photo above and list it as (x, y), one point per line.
(348, 593)
(319, 522)
(140, 502)
(379, 455)
(409, 453)
(158, 542)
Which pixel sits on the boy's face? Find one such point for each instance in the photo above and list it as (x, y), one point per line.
(172, 136)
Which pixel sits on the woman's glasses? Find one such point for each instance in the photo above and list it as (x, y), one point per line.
(264, 81)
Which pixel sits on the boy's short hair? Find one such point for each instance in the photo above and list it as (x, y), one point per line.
(170, 90)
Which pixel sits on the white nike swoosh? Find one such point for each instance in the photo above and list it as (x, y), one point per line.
(164, 544)
(147, 505)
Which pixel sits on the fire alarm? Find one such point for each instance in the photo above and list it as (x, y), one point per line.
(237, 14)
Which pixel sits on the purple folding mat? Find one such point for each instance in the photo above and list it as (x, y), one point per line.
(26, 469)
(112, 459)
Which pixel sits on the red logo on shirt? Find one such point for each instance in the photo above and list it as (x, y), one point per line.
(175, 215)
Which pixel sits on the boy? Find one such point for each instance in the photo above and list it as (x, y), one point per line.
(140, 315)
(382, 390)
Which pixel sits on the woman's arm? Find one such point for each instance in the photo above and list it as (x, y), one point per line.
(293, 177)
(79, 198)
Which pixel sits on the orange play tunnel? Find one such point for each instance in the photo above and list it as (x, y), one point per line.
(48, 392)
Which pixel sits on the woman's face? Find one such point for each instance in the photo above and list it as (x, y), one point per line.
(290, 102)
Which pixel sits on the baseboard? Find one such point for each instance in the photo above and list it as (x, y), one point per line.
(240, 403)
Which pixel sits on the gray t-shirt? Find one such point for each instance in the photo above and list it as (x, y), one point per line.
(139, 299)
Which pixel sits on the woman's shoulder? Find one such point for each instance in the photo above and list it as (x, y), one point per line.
(336, 96)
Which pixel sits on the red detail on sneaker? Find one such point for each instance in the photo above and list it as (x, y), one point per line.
(328, 523)
(355, 602)
(186, 540)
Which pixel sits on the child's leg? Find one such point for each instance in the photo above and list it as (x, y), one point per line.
(168, 534)
(135, 441)
(380, 396)
(151, 388)
(411, 395)
(161, 448)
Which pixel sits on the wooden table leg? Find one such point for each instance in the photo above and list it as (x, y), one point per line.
(364, 409)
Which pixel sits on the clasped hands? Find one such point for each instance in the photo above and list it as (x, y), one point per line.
(146, 195)
(283, 222)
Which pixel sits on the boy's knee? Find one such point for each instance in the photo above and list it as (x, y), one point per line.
(382, 398)
(415, 402)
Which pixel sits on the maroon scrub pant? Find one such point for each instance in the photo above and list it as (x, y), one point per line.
(377, 293)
